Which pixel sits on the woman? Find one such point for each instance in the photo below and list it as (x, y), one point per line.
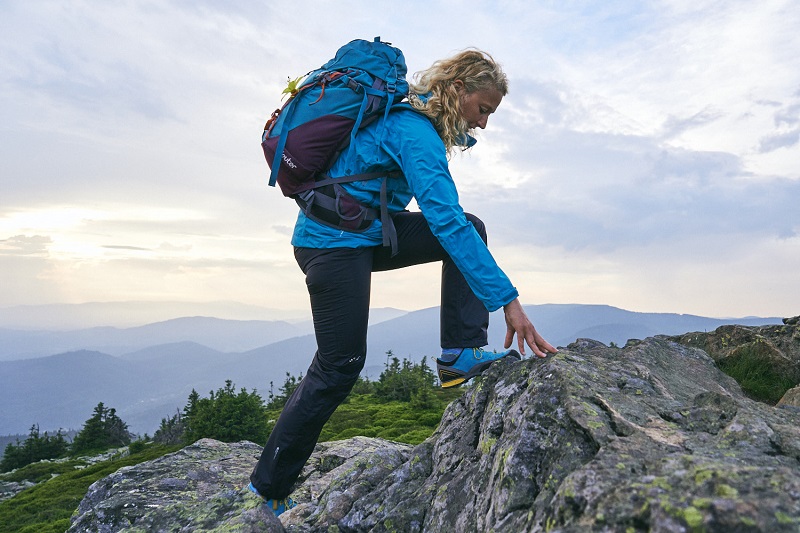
(448, 100)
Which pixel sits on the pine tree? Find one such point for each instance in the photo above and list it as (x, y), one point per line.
(171, 430)
(226, 415)
(102, 431)
(35, 448)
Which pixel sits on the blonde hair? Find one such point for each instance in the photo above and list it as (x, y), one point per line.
(476, 69)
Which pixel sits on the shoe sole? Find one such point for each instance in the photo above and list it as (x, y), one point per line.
(477, 370)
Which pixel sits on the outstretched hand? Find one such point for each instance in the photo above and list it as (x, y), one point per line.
(518, 324)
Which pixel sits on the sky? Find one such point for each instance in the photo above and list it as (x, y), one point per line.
(647, 155)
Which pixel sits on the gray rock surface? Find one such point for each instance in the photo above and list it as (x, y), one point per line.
(649, 437)
(199, 488)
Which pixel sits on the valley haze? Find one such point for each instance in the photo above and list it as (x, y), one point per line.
(54, 378)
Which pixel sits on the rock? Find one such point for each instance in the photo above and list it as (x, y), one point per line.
(650, 437)
(778, 346)
(9, 489)
(199, 488)
(791, 398)
(766, 358)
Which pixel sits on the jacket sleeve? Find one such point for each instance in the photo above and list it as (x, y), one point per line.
(421, 155)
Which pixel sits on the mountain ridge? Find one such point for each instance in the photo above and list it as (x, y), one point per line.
(150, 383)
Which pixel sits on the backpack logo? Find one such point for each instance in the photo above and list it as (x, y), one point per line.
(288, 160)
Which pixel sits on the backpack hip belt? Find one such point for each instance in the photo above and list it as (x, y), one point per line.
(330, 204)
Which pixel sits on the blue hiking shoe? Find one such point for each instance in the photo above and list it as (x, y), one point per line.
(466, 365)
(276, 506)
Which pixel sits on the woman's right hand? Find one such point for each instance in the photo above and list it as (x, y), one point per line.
(518, 324)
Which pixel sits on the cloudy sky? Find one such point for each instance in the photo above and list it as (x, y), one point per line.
(647, 156)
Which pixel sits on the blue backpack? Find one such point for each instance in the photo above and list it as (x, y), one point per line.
(302, 140)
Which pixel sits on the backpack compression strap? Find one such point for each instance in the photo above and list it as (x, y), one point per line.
(322, 204)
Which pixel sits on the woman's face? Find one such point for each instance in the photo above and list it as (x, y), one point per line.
(476, 106)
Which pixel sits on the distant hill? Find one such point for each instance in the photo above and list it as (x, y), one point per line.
(132, 313)
(220, 334)
(151, 381)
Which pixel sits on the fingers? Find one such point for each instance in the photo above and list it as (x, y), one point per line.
(518, 324)
(540, 346)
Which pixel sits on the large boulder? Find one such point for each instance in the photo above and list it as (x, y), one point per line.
(199, 488)
(649, 437)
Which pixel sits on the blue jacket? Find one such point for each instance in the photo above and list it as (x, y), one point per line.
(410, 143)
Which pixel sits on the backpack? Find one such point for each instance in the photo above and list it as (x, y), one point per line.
(303, 139)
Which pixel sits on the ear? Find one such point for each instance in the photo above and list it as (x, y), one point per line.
(459, 85)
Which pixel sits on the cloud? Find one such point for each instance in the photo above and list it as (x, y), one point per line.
(660, 134)
(122, 247)
(787, 119)
(675, 126)
(578, 189)
(776, 141)
(23, 245)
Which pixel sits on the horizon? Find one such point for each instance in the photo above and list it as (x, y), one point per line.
(141, 313)
(647, 155)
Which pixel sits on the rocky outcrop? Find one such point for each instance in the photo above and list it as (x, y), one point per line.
(776, 348)
(649, 437)
(199, 488)
(9, 489)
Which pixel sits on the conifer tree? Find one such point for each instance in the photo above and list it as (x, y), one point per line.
(226, 415)
(102, 431)
(35, 448)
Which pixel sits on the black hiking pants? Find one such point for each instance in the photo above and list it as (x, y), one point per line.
(338, 281)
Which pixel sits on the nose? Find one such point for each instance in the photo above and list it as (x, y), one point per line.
(482, 122)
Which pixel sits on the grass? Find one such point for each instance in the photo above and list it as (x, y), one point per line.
(42, 471)
(47, 507)
(367, 416)
(756, 375)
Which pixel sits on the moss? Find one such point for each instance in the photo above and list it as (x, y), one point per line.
(703, 475)
(726, 491)
(589, 409)
(661, 483)
(784, 518)
(551, 483)
(701, 503)
(486, 445)
(693, 518)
